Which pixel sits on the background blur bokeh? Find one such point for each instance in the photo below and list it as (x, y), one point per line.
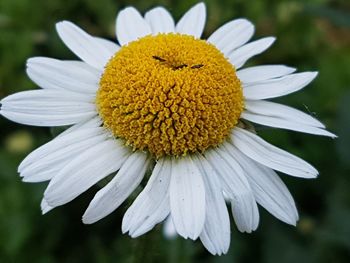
(311, 35)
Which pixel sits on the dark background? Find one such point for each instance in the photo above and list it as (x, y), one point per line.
(311, 35)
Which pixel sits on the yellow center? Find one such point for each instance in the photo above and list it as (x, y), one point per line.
(170, 94)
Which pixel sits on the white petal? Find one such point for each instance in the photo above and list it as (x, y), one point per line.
(232, 35)
(75, 76)
(269, 190)
(118, 189)
(273, 109)
(54, 161)
(83, 45)
(262, 152)
(245, 212)
(169, 230)
(48, 107)
(187, 198)
(237, 189)
(85, 170)
(278, 122)
(216, 233)
(264, 72)
(110, 45)
(160, 20)
(90, 123)
(193, 21)
(131, 26)
(278, 87)
(152, 204)
(45, 208)
(239, 57)
(58, 143)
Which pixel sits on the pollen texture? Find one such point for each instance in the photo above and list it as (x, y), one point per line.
(170, 94)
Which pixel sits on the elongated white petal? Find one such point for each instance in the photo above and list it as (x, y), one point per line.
(59, 143)
(90, 123)
(160, 20)
(273, 109)
(75, 76)
(232, 35)
(45, 207)
(278, 87)
(193, 21)
(152, 204)
(284, 124)
(245, 212)
(83, 45)
(131, 26)
(118, 189)
(239, 57)
(54, 161)
(269, 190)
(110, 45)
(85, 170)
(262, 152)
(216, 233)
(264, 72)
(237, 189)
(47, 107)
(187, 198)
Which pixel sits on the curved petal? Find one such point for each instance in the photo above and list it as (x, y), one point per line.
(278, 87)
(237, 189)
(54, 159)
(216, 233)
(45, 208)
(273, 109)
(232, 35)
(269, 190)
(118, 189)
(58, 143)
(152, 204)
(281, 123)
(56, 74)
(160, 20)
(83, 45)
(130, 26)
(264, 72)
(99, 161)
(268, 155)
(48, 107)
(240, 56)
(193, 21)
(187, 198)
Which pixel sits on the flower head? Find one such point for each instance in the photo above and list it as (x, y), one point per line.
(165, 101)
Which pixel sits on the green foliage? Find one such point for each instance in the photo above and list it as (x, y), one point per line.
(312, 35)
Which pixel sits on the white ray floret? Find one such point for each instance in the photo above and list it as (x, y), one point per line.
(152, 204)
(193, 22)
(55, 74)
(130, 26)
(118, 189)
(187, 198)
(160, 20)
(232, 35)
(86, 47)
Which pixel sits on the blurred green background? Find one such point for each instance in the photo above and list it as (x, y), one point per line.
(311, 35)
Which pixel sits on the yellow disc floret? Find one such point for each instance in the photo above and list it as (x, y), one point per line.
(170, 94)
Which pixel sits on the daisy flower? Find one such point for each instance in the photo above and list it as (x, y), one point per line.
(166, 104)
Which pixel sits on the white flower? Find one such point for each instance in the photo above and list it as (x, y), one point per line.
(167, 101)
